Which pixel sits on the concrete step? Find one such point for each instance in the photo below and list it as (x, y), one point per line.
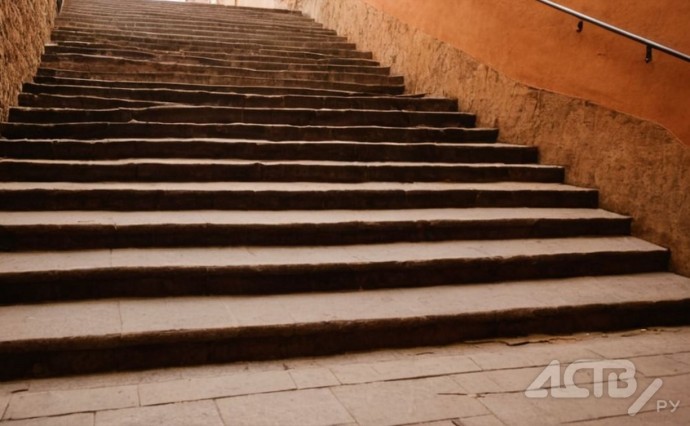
(39, 276)
(73, 230)
(214, 114)
(87, 97)
(242, 79)
(69, 85)
(111, 149)
(196, 170)
(102, 130)
(71, 57)
(265, 56)
(287, 196)
(126, 334)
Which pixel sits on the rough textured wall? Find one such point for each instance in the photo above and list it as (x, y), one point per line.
(25, 26)
(539, 46)
(640, 168)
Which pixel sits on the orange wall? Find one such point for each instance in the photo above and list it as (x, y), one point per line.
(539, 46)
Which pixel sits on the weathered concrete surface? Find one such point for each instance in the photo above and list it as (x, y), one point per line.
(24, 28)
(640, 168)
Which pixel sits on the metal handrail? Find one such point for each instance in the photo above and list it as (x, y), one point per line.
(651, 45)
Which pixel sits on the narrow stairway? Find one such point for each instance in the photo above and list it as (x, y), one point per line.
(188, 184)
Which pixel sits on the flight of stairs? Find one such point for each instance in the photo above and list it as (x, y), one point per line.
(187, 184)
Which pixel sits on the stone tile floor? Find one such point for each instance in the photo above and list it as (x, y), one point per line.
(478, 383)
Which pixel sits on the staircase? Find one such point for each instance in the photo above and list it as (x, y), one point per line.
(188, 184)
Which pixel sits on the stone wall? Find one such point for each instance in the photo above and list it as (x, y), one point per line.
(640, 168)
(25, 26)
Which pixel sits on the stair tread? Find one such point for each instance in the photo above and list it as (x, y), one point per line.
(288, 217)
(323, 256)
(121, 322)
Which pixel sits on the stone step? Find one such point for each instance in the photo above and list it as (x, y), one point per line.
(287, 196)
(230, 115)
(297, 23)
(186, 170)
(72, 230)
(126, 334)
(169, 12)
(102, 64)
(166, 61)
(186, 44)
(264, 56)
(277, 41)
(44, 84)
(243, 79)
(111, 149)
(88, 97)
(234, 30)
(39, 276)
(103, 130)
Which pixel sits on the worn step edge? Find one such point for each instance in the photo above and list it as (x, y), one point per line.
(154, 231)
(340, 333)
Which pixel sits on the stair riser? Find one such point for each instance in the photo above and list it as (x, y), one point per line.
(244, 131)
(227, 115)
(335, 338)
(125, 200)
(88, 150)
(44, 237)
(97, 98)
(204, 79)
(183, 281)
(38, 172)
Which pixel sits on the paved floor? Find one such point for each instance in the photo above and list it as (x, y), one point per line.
(479, 383)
